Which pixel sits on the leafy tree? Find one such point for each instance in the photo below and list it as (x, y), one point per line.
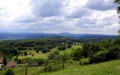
(118, 10)
(37, 51)
(25, 53)
(65, 57)
(77, 54)
(52, 55)
(69, 45)
(61, 47)
(30, 53)
(4, 61)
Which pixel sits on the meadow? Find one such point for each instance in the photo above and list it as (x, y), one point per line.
(66, 58)
(44, 55)
(104, 68)
(20, 69)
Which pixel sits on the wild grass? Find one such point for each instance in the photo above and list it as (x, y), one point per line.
(105, 68)
(44, 55)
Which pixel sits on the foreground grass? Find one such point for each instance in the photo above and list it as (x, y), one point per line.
(105, 68)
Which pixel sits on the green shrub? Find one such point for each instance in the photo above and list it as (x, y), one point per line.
(98, 57)
(41, 61)
(53, 54)
(84, 61)
(52, 66)
(77, 54)
(9, 72)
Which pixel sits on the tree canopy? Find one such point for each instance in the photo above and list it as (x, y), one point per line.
(118, 10)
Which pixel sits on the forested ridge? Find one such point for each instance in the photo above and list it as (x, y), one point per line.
(12, 47)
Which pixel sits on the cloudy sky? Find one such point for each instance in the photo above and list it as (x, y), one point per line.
(58, 16)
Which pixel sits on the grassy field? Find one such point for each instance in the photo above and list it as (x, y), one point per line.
(36, 55)
(44, 55)
(21, 70)
(34, 70)
(105, 68)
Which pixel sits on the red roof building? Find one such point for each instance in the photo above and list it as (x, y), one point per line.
(1, 60)
(11, 64)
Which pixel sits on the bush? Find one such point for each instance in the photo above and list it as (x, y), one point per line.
(61, 48)
(37, 51)
(84, 61)
(41, 61)
(77, 54)
(4, 61)
(52, 67)
(69, 46)
(45, 50)
(52, 55)
(98, 57)
(113, 53)
(25, 53)
(9, 72)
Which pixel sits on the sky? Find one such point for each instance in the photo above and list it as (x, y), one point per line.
(59, 16)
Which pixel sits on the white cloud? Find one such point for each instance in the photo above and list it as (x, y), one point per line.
(11, 9)
(53, 16)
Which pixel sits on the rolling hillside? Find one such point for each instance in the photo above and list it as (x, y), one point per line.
(106, 68)
(81, 37)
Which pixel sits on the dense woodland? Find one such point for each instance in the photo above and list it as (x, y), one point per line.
(13, 47)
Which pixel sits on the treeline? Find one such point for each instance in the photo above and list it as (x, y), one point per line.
(97, 52)
(13, 47)
(91, 52)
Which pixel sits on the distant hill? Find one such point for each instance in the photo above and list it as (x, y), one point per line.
(82, 37)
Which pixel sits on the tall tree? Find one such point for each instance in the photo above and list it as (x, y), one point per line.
(4, 61)
(118, 11)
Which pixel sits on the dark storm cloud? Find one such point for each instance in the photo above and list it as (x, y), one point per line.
(47, 8)
(80, 12)
(102, 5)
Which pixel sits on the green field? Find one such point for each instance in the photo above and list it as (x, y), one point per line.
(44, 55)
(106, 68)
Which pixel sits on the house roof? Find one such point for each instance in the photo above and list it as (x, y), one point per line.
(11, 64)
(1, 60)
(34, 63)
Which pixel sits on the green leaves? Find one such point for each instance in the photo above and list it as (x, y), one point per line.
(117, 1)
(118, 8)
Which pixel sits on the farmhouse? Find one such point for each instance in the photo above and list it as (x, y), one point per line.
(33, 64)
(1, 60)
(11, 64)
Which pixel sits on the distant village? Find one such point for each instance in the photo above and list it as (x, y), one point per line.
(7, 64)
